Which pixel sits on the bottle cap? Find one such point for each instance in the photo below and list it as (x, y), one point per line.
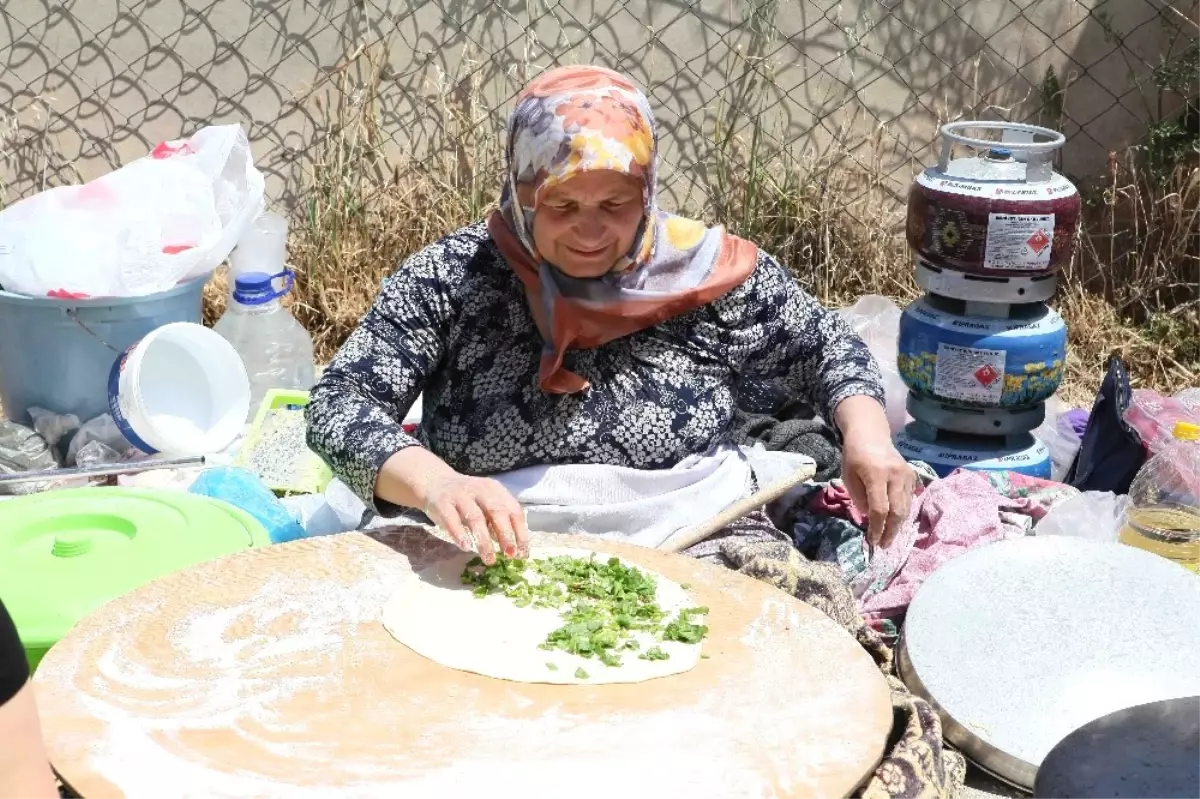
(1186, 431)
(258, 288)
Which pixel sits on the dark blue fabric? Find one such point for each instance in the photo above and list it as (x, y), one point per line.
(1110, 453)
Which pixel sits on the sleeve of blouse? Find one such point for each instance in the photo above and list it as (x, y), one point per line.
(356, 409)
(778, 331)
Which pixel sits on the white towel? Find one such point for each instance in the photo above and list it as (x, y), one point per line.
(641, 506)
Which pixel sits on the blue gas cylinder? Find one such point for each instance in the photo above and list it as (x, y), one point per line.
(981, 361)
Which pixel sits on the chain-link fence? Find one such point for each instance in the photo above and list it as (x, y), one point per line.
(86, 85)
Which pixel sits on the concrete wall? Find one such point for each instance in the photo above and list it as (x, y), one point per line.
(88, 84)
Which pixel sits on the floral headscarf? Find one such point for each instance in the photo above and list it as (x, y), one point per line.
(581, 119)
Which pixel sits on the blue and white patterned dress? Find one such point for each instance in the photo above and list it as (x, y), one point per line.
(452, 324)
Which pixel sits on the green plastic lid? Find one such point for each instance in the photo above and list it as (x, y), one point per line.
(65, 553)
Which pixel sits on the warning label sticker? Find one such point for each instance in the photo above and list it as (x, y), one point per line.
(1018, 241)
(967, 374)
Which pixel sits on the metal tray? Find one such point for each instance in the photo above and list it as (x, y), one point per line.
(1020, 643)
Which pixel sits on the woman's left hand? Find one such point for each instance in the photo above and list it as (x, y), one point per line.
(877, 477)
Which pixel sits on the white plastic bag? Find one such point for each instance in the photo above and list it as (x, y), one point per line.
(338, 510)
(171, 216)
(1059, 437)
(56, 429)
(102, 431)
(876, 320)
(1092, 515)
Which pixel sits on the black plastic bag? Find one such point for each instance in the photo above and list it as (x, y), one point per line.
(1110, 452)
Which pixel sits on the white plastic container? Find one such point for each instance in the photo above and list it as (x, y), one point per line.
(276, 349)
(181, 390)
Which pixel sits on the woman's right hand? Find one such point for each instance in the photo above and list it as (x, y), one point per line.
(473, 510)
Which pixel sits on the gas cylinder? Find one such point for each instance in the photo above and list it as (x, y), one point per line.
(1014, 361)
(1003, 212)
(945, 451)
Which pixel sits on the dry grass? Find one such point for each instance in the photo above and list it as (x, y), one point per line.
(363, 212)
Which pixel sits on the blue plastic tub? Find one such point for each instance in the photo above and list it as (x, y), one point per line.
(56, 354)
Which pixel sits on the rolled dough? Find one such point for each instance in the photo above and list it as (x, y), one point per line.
(438, 617)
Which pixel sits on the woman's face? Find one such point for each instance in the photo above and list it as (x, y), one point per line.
(583, 225)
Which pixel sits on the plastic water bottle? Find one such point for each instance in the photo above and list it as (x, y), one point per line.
(276, 349)
(262, 247)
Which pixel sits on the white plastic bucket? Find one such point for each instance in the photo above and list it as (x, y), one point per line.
(181, 390)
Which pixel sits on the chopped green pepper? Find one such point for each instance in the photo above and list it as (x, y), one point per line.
(602, 604)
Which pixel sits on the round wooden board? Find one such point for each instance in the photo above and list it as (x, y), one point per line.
(269, 673)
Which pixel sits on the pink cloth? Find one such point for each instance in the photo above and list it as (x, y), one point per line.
(952, 515)
(834, 500)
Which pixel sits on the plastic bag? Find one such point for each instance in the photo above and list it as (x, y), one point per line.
(103, 432)
(1153, 416)
(242, 489)
(1092, 515)
(57, 429)
(1190, 398)
(1059, 434)
(876, 320)
(171, 216)
(345, 503)
(95, 453)
(24, 450)
(338, 510)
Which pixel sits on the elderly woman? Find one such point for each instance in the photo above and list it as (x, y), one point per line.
(582, 327)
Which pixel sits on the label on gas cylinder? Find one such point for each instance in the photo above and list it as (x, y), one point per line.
(968, 374)
(1018, 241)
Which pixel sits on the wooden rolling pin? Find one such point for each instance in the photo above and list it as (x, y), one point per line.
(765, 496)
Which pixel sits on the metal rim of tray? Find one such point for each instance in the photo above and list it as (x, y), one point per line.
(1008, 769)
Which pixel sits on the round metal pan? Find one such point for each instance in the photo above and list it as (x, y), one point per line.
(1020, 643)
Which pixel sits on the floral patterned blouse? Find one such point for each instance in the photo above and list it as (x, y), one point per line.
(452, 324)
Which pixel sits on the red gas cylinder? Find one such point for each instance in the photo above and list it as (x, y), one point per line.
(1003, 212)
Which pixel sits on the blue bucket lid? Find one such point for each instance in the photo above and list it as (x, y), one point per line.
(256, 288)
